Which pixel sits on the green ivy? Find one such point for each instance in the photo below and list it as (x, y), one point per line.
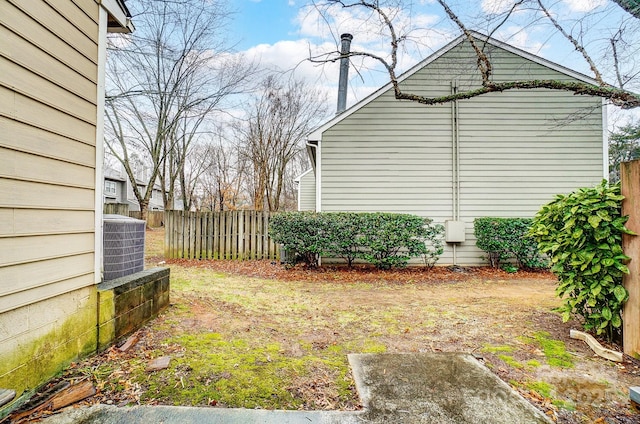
(582, 234)
(504, 239)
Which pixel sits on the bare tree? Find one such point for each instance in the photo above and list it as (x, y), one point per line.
(281, 115)
(164, 82)
(624, 146)
(223, 180)
(384, 13)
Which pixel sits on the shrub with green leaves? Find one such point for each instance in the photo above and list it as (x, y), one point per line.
(343, 239)
(383, 239)
(582, 234)
(303, 234)
(507, 238)
(391, 239)
(433, 239)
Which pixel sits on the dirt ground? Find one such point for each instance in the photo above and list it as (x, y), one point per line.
(252, 334)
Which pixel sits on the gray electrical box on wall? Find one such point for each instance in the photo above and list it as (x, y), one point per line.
(454, 231)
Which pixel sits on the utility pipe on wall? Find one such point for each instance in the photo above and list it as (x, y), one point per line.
(455, 163)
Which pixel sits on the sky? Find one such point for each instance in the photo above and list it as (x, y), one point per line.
(263, 22)
(282, 33)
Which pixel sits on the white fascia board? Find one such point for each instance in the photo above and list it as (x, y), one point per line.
(117, 11)
(537, 59)
(316, 135)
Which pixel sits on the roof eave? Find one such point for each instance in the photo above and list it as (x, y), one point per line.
(316, 135)
(119, 19)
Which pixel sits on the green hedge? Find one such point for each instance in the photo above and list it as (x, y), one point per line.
(383, 239)
(506, 239)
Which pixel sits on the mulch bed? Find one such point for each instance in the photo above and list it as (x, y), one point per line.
(360, 273)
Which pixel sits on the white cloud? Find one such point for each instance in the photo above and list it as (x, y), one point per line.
(519, 37)
(497, 6)
(584, 5)
(320, 35)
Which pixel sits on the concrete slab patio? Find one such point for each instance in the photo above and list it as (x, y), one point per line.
(395, 388)
(438, 388)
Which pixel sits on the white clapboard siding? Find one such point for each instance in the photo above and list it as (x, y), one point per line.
(48, 116)
(517, 149)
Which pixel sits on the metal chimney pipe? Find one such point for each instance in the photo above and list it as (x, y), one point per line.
(344, 72)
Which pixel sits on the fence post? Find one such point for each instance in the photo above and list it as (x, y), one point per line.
(198, 230)
(167, 235)
(630, 187)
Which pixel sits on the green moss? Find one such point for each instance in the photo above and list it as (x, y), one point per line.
(509, 360)
(238, 373)
(562, 404)
(533, 363)
(494, 349)
(543, 388)
(547, 390)
(554, 350)
(32, 363)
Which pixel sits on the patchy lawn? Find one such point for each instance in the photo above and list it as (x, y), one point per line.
(251, 334)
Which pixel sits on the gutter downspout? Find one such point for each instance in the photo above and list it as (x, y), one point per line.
(99, 170)
(316, 146)
(318, 168)
(605, 142)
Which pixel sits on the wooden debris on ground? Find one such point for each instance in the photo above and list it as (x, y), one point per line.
(131, 341)
(609, 354)
(61, 395)
(6, 396)
(159, 363)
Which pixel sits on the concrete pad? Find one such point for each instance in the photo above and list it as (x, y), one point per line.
(436, 388)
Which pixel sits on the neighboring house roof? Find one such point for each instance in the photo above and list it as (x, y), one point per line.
(316, 135)
(112, 174)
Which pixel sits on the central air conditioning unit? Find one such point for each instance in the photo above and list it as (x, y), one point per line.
(123, 246)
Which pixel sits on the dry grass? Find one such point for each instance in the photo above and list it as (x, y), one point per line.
(249, 334)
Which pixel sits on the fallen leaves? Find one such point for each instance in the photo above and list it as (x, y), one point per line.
(360, 274)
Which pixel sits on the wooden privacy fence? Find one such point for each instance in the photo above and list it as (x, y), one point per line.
(115, 209)
(218, 235)
(154, 218)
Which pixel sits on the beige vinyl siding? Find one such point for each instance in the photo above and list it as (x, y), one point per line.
(48, 115)
(33, 140)
(307, 191)
(517, 148)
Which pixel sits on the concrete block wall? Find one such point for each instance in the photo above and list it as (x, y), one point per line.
(39, 340)
(128, 302)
